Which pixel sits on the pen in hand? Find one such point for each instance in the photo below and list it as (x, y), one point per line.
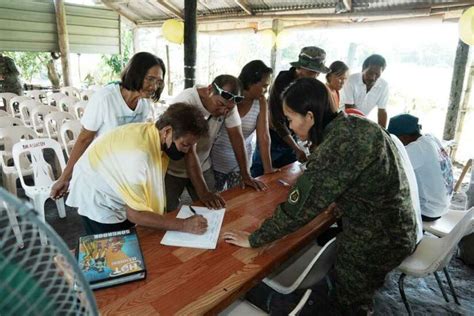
(192, 210)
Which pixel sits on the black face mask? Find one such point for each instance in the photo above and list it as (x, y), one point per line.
(172, 151)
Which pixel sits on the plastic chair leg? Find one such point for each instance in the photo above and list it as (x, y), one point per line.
(15, 227)
(61, 208)
(441, 286)
(445, 270)
(10, 183)
(301, 303)
(402, 293)
(38, 202)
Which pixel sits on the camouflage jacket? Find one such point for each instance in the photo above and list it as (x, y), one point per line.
(9, 76)
(358, 167)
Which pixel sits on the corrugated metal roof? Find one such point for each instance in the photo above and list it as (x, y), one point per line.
(146, 11)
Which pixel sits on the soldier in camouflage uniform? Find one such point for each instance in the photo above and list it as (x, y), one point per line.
(9, 76)
(355, 164)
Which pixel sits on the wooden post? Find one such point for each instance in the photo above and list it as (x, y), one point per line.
(135, 40)
(168, 71)
(459, 71)
(464, 110)
(63, 40)
(190, 42)
(277, 27)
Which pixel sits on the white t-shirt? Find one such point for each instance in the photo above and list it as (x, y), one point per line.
(410, 173)
(107, 109)
(355, 92)
(434, 174)
(190, 96)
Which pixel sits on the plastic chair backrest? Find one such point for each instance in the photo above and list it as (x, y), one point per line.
(71, 92)
(14, 105)
(54, 121)
(66, 103)
(4, 113)
(54, 98)
(77, 109)
(70, 128)
(5, 97)
(26, 107)
(41, 169)
(450, 242)
(12, 135)
(319, 266)
(38, 115)
(38, 95)
(86, 94)
(8, 121)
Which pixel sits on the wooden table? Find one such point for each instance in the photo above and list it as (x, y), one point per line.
(194, 281)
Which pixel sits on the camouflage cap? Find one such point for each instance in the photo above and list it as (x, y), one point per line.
(312, 58)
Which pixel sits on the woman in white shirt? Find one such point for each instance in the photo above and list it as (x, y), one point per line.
(253, 111)
(116, 105)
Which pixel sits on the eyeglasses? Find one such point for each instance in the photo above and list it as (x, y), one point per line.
(228, 96)
(153, 80)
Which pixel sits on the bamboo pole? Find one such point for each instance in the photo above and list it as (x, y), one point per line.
(459, 71)
(63, 40)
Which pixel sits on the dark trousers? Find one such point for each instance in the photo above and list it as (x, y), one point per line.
(429, 219)
(93, 227)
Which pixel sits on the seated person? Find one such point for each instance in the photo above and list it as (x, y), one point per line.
(354, 164)
(119, 181)
(433, 169)
(217, 102)
(366, 90)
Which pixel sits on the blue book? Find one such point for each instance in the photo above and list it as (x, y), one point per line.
(110, 259)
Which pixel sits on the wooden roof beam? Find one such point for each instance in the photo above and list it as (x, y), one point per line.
(170, 8)
(244, 6)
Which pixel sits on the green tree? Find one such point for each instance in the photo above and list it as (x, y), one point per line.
(116, 62)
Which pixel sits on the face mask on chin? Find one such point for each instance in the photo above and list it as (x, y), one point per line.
(172, 151)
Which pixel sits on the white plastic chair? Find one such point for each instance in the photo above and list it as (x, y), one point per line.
(38, 95)
(14, 105)
(53, 123)
(26, 108)
(432, 255)
(69, 132)
(42, 174)
(54, 98)
(8, 121)
(10, 136)
(37, 116)
(86, 94)
(5, 97)
(13, 223)
(4, 113)
(77, 109)
(66, 103)
(71, 92)
(444, 225)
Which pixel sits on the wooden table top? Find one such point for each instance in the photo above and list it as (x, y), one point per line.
(196, 281)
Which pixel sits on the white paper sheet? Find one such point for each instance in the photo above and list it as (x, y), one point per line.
(208, 240)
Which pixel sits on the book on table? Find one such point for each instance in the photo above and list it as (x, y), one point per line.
(208, 240)
(111, 258)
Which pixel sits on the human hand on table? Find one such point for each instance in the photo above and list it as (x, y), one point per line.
(254, 183)
(196, 224)
(212, 200)
(238, 238)
(273, 170)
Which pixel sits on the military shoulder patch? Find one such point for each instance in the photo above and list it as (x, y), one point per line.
(294, 196)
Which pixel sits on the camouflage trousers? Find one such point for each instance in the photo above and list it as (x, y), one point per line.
(225, 181)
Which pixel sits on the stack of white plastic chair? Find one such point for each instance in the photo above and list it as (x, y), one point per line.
(10, 136)
(71, 92)
(14, 105)
(87, 94)
(66, 103)
(5, 98)
(26, 108)
(38, 115)
(53, 123)
(54, 98)
(42, 173)
(69, 132)
(77, 109)
(38, 95)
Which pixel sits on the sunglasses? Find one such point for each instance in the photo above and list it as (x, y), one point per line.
(227, 95)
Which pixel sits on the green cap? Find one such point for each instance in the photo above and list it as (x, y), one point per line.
(312, 58)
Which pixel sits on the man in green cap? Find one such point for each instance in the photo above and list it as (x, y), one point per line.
(284, 148)
(9, 76)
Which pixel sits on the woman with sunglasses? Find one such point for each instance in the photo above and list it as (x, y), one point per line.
(355, 171)
(114, 105)
(253, 112)
(335, 80)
